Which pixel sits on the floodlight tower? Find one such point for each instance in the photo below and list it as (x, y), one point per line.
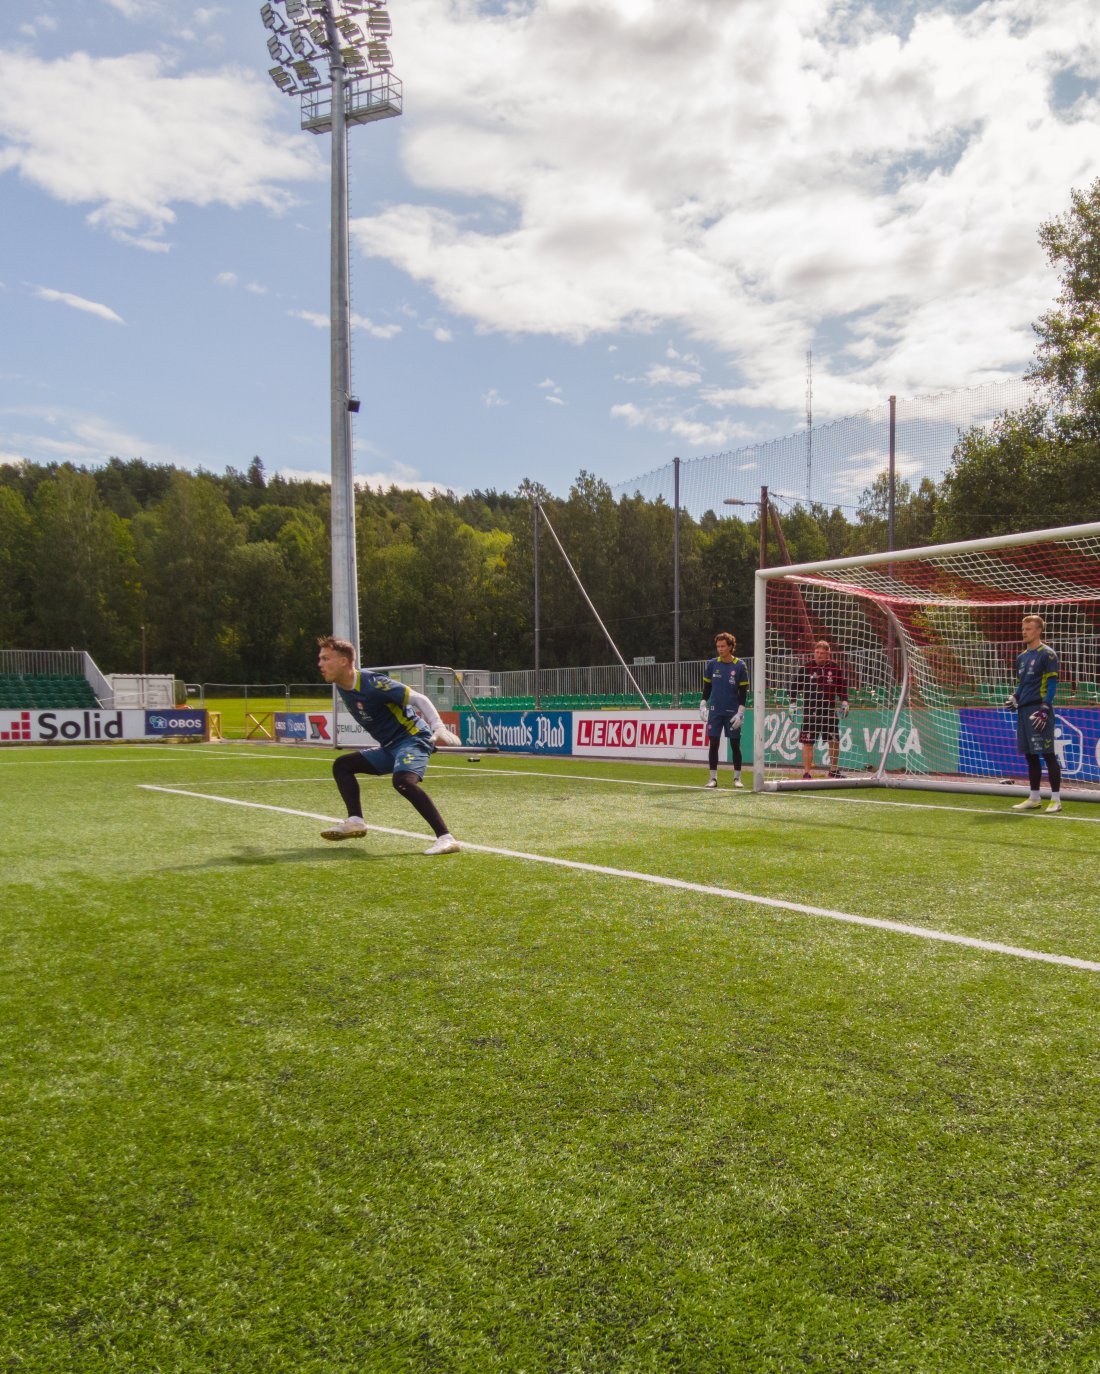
(349, 38)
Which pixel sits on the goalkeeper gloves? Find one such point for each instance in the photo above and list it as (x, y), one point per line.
(441, 735)
(1040, 717)
(1011, 703)
(738, 717)
(843, 709)
(704, 710)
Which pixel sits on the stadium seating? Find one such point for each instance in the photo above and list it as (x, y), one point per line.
(45, 692)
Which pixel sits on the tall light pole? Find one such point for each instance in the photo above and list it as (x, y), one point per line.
(334, 55)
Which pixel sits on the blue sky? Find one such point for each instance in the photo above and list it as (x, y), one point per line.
(603, 233)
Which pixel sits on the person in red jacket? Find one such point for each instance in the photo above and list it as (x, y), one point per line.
(822, 688)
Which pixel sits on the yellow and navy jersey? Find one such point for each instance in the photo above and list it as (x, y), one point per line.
(381, 706)
(1036, 676)
(725, 685)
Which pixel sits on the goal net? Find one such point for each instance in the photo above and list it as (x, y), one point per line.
(925, 643)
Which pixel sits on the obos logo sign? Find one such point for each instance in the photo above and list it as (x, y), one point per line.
(175, 722)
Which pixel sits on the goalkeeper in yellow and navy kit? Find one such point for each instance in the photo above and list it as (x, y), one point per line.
(407, 727)
(725, 692)
(1033, 702)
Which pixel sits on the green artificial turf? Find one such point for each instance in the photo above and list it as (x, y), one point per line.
(270, 1104)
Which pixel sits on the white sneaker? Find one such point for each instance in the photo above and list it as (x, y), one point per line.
(446, 844)
(354, 828)
(738, 783)
(711, 783)
(1055, 806)
(1031, 804)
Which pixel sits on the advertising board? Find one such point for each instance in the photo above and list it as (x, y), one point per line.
(920, 742)
(523, 732)
(987, 743)
(179, 721)
(668, 735)
(71, 727)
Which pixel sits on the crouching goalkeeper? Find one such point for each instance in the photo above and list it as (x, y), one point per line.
(725, 692)
(407, 727)
(1033, 702)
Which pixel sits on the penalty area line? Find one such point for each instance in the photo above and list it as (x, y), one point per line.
(678, 884)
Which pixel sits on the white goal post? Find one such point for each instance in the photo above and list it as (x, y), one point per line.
(926, 643)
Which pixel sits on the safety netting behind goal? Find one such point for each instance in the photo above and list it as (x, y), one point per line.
(927, 641)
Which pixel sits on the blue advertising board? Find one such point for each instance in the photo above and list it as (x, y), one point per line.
(182, 721)
(521, 732)
(987, 743)
(290, 725)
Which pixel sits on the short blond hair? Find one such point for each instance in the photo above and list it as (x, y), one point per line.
(1038, 620)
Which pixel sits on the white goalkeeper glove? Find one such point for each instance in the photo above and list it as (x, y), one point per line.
(738, 717)
(1011, 704)
(441, 735)
(1040, 717)
(704, 710)
(842, 709)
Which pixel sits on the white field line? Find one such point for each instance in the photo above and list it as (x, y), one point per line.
(656, 880)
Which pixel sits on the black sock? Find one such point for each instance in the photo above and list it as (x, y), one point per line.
(1035, 771)
(1054, 771)
(408, 784)
(344, 770)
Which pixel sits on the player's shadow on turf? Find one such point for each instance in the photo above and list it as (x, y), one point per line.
(259, 858)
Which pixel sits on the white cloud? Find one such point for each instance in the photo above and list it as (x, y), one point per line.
(361, 322)
(808, 177)
(145, 140)
(492, 398)
(47, 293)
(696, 433)
(658, 375)
(59, 434)
(226, 279)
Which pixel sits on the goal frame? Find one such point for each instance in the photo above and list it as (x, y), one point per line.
(881, 777)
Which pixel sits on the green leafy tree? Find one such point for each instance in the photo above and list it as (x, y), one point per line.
(84, 575)
(16, 563)
(190, 596)
(914, 515)
(1026, 471)
(260, 609)
(1068, 352)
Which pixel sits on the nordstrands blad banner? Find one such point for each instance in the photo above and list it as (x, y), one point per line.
(525, 732)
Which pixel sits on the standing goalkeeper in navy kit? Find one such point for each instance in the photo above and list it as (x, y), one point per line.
(407, 727)
(725, 692)
(1033, 702)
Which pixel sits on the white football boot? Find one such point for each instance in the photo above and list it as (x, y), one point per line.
(354, 828)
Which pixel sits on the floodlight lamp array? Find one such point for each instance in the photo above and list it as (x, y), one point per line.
(351, 33)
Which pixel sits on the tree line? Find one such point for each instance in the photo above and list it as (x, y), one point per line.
(227, 577)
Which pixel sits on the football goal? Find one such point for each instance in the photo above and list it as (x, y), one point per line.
(924, 643)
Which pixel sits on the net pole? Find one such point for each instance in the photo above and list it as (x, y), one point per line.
(588, 601)
(676, 583)
(760, 683)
